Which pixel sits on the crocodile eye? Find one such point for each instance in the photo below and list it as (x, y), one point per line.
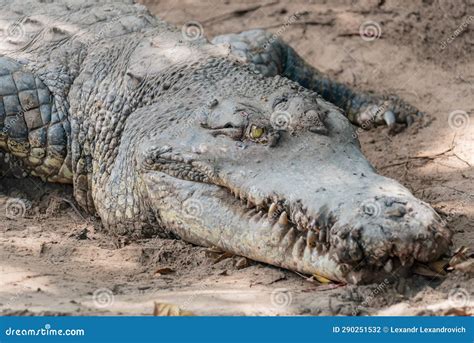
(256, 132)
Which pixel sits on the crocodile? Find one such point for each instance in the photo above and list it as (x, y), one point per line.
(236, 144)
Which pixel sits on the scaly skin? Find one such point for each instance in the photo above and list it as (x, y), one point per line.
(160, 135)
(271, 56)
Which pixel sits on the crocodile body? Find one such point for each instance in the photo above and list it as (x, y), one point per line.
(162, 134)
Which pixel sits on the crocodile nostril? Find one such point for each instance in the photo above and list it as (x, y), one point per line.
(389, 201)
(397, 212)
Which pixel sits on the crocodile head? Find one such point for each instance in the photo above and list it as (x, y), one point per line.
(269, 170)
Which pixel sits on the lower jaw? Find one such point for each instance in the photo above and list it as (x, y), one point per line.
(205, 215)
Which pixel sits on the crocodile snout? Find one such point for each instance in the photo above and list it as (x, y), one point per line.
(385, 231)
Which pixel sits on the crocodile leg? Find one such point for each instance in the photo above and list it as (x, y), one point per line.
(30, 130)
(271, 56)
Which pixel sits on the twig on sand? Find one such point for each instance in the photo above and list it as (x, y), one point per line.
(71, 204)
(304, 23)
(425, 157)
(236, 13)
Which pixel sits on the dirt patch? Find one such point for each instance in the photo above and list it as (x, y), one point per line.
(55, 260)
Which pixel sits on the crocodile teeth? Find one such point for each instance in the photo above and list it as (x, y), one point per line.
(298, 248)
(272, 209)
(257, 216)
(322, 235)
(250, 204)
(283, 220)
(388, 267)
(289, 238)
(278, 233)
(324, 248)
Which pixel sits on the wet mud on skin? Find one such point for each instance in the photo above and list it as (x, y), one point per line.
(55, 260)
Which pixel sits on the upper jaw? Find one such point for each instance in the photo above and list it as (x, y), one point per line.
(373, 231)
(350, 244)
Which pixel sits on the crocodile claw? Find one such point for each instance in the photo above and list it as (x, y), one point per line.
(397, 111)
(387, 110)
(389, 118)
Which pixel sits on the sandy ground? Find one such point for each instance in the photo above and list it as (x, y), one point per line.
(55, 260)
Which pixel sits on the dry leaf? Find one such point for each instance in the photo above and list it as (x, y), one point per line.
(423, 270)
(169, 310)
(321, 279)
(461, 255)
(439, 266)
(214, 250)
(466, 267)
(324, 287)
(458, 312)
(164, 271)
